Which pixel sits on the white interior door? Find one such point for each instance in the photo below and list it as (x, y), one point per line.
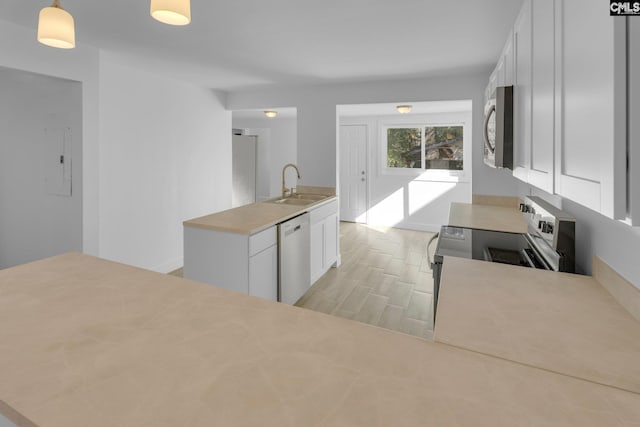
(353, 173)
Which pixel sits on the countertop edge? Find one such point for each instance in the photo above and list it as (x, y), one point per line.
(303, 209)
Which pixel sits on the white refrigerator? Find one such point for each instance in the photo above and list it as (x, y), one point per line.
(244, 149)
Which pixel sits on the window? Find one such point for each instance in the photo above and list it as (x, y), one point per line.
(425, 147)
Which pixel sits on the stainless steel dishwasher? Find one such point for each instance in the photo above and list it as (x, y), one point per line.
(293, 259)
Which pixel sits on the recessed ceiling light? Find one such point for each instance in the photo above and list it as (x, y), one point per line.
(270, 114)
(404, 109)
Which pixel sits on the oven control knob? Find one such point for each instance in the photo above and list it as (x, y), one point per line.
(547, 227)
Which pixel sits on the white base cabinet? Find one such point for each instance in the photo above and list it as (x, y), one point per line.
(249, 263)
(239, 262)
(324, 239)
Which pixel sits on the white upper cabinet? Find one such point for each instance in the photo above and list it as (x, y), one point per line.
(522, 92)
(590, 104)
(570, 101)
(541, 152)
(634, 120)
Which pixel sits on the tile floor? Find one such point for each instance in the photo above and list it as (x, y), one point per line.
(385, 279)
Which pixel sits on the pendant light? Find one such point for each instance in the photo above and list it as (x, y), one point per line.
(271, 114)
(172, 12)
(404, 109)
(56, 28)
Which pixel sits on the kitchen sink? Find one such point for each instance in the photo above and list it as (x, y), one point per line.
(299, 199)
(314, 197)
(290, 201)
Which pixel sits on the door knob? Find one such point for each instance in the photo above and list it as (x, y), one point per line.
(362, 179)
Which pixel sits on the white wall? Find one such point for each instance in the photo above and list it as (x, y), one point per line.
(33, 223)
(418, 202)
(20, 50)
(281, 140)
(317, 123)
(165, 157)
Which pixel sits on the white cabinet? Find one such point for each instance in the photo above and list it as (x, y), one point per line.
(504, 70)
(570, 98)
(239, 262)
(324, 239)
(504, 73)
(541, 153)
(522, 92)
(263, 274)
(590, 115)
(634, 121)
(534, 94)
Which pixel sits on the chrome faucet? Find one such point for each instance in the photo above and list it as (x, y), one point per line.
(284, 188)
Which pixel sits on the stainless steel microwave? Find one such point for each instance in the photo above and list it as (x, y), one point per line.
(498, 129)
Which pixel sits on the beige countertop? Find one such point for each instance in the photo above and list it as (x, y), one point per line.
(561, 322)
(252, 218)
(87, 342)
(487, 217)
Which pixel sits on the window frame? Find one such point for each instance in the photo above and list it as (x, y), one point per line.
(423, 121)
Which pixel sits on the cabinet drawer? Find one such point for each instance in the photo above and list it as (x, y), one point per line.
(323, 211)
(262, 240)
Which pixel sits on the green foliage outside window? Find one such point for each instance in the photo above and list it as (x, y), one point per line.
(443, 147)
(404, 148)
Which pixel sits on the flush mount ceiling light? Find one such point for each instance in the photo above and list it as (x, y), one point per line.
(172, 12)
(404, 109)
(56, 28)
(270, 114)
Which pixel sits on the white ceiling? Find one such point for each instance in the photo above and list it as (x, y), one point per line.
(237, 44)
(389, 109)
(283, 113)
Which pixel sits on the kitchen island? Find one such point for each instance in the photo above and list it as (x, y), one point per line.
(88, 342)
(240, 248)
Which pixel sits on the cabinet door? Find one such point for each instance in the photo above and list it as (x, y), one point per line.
(316, 239)
(500, 77)
(541, 154)
(330, 241)
(522, 92)
(590, 107)
(634, 121)
(509, 62)
(263, 274)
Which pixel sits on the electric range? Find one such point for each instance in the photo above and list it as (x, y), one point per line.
(549, 243)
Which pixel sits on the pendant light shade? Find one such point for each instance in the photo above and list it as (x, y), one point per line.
(172, 12)
(56, 27)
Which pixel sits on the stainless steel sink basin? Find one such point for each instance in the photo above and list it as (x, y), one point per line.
(299, 199)
(303, 196)
(290, 201)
